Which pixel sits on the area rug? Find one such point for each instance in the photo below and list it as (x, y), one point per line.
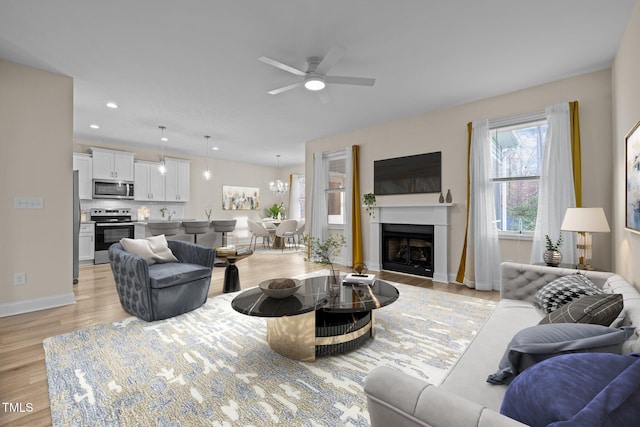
(214, 367)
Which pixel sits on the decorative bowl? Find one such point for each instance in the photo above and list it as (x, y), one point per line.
(280, 287)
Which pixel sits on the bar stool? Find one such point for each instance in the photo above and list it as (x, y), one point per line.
(223, 226)
(195, 228)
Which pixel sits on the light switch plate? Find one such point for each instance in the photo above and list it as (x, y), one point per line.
(28, 202)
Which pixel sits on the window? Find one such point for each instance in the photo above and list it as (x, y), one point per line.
(301, 190)
(336, 190)
(517, 151)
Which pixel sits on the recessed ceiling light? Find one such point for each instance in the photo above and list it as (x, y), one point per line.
(112, 105)
(94, 126)
(215, 148)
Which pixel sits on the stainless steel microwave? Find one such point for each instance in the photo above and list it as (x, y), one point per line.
(103, 189)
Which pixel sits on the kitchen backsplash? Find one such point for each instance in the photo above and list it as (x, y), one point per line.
(154, 208)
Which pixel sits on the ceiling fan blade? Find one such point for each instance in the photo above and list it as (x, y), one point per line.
(343, 80)
(282, 66)
(285, 88)
(329, 60)
(324, 97)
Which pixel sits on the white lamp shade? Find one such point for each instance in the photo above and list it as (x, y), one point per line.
(591, 220)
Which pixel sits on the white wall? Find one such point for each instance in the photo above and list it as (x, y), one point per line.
(446, 131)
(36, 132)
(626, 113)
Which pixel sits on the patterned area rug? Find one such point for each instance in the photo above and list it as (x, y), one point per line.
(214, 367)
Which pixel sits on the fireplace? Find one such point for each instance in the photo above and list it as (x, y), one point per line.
(408, 248)
(432, 215)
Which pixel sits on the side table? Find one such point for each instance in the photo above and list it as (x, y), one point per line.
(231, 274)
(571, 266)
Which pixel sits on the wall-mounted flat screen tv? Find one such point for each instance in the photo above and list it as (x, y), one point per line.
(421, 173)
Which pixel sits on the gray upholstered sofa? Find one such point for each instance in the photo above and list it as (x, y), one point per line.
(162, 290)
(464, 398)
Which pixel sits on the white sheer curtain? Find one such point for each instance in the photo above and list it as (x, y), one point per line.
(556, 192)
(319, 226)
(347, 252)
(483, 251)
(294, 197)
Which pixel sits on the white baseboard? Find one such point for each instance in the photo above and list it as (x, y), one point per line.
(35, 304)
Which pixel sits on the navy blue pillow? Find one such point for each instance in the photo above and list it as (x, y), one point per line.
(577, 390)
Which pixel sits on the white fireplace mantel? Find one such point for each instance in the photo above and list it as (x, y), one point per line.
(426, 214)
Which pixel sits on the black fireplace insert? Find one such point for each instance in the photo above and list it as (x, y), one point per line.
(408, 248)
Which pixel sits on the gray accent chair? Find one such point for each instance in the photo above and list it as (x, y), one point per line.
(160, 291)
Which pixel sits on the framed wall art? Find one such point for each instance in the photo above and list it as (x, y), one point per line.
(632, 146)
(240, 198)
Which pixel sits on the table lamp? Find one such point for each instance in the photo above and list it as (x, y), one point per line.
(585, 221)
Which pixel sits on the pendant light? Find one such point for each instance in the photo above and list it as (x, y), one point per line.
(162, 167)
(278, 187)
(207, 172)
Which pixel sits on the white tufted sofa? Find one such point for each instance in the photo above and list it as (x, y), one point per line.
(464, 398)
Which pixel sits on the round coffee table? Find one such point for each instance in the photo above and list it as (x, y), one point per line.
(318, 319)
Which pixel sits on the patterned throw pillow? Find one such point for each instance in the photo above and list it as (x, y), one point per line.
(564, 290)
(600, 309)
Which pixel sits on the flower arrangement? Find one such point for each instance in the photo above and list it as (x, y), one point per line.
(322, 251)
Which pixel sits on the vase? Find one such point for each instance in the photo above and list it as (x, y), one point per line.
(334, 282)
(552, 258)
(449, 199)
(441, 200)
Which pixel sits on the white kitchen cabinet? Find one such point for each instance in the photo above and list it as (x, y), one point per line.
(112, 165)
(149, 183)
(86, 245)
(83, 163)
(177, 184)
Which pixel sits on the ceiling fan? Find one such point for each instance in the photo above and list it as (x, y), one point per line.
(315, 77)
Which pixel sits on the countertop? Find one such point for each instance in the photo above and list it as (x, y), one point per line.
(152, 220)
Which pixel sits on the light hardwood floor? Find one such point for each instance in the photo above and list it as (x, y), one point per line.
(23, 377)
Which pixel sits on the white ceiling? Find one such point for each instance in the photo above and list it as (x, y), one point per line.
(193, 66)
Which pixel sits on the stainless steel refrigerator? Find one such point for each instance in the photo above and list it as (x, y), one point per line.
(76, 226)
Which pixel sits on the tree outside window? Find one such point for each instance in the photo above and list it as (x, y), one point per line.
(517, 152)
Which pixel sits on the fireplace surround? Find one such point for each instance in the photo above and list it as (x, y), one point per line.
(435, 215)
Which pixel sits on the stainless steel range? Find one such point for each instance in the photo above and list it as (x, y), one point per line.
(111, 226)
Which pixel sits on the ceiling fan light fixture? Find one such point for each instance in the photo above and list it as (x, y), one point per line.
(314, 83)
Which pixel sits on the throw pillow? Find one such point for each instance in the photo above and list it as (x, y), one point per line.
(160, 249)
(599, 309)
(563, 290)
(138, 247)
(540, 342)
(152, 249)
(568, 391)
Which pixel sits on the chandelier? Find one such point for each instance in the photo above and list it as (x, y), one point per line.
(278, 187)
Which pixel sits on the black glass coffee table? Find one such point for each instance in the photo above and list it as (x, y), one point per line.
(318, 319)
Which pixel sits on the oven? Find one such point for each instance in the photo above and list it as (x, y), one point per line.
(111, 225)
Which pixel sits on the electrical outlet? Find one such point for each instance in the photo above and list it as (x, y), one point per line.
(19, 279)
